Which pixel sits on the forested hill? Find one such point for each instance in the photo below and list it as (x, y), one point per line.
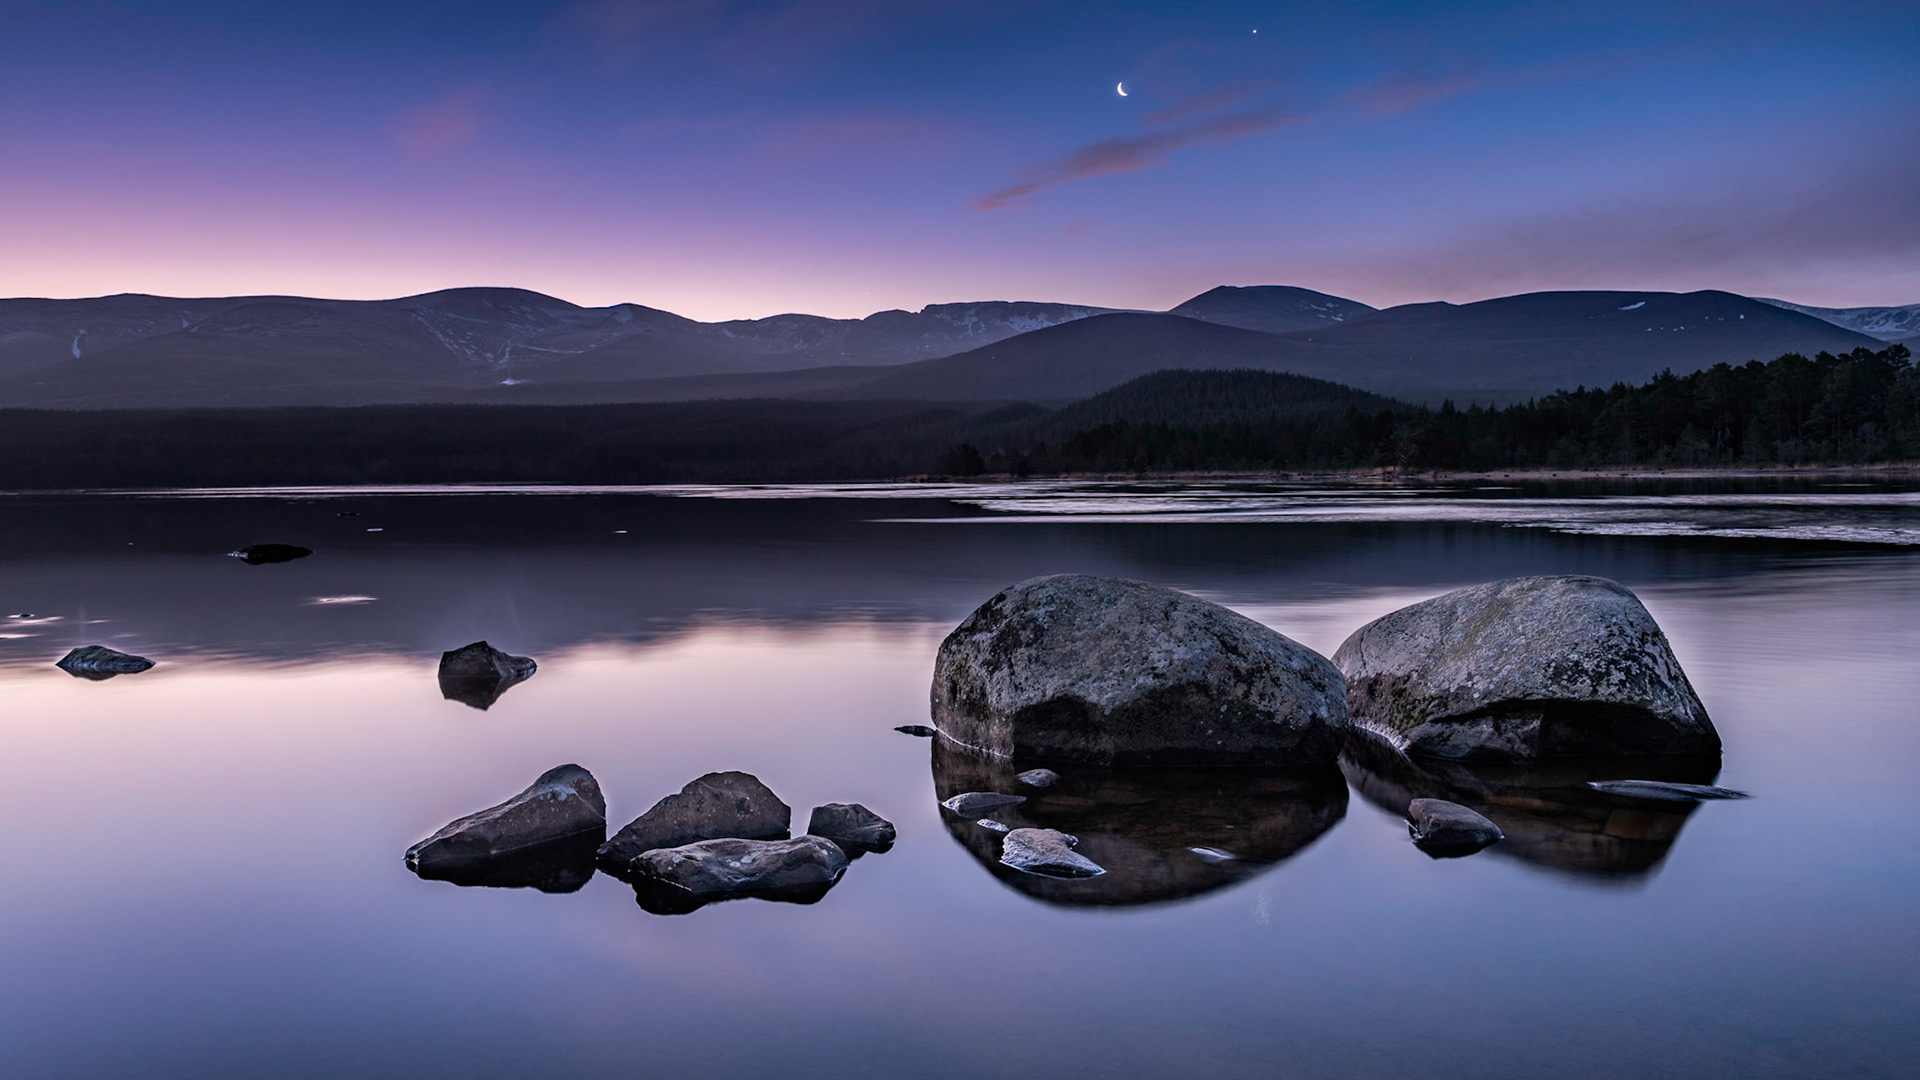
(1860, 407)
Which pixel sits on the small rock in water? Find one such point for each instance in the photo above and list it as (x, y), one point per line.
(678, 879)
(918, 731)
(722, 805)
(478, 674)
(99, 662)
(1046, 851)
(1660, 789)
(854, 827)
(256, 554)
(1039, 778)
(973, 804)
(1213, 854)
(562, 803)
(1447, 830)
(991, 825)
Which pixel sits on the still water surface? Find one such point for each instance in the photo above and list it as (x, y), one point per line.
(203, 862)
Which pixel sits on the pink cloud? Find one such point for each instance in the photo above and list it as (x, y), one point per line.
(1410, 86)
(441, 125)
(1110, 156)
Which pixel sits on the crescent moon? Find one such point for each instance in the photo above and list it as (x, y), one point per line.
(1121, 88)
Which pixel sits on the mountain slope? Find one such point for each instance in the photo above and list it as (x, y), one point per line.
(1885, 323)
(1275, 309)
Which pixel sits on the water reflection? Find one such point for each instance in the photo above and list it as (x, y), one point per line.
(1550, 816)
(1161, 834)
(562, 866)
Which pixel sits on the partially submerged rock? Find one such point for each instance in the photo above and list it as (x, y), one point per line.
(256, 554)
(719, 805)
(975, 804)
(854, 827)
(1104, 671)
(536, 836)
(679, 879)
(1663, 791)
(1046, 851)
(1447, 830)
(1039, 778)
(918, 731)
(1524, 669)
(98, 662)
(1547, 813)
(478, 674)
(1160, 834)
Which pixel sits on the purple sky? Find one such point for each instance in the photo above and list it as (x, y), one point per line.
(726, 159)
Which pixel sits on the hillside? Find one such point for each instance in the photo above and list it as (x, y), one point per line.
(1885, 323)
(1274, 309)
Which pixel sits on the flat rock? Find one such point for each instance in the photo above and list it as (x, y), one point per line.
(720, 805)
(1524, 669)
(973, 804)
(1046, 851)
(564, 803)
(1104, 671)
(854, 827)
(680, 878)
(1039, 778)
(1666, 792)
(918, 731)
(478, 674)
(99, 662)
(256, 554)
(1448, 830)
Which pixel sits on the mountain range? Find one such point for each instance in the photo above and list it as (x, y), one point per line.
(512, 345)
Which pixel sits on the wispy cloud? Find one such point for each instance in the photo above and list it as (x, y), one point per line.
(444, 124)
(1124, 155)
(1412, 85)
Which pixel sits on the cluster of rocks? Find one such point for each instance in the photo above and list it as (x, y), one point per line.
(723, 836)
(1120, 674)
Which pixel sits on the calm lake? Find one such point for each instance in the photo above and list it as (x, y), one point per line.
(203, 862)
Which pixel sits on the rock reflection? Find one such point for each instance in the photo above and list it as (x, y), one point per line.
(561, 866)
(1550, 816)
(1161, 834)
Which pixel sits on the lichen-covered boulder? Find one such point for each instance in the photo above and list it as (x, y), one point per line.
(1099, 670)
(565, 803)
(721, 805)
(99, 662)
(1524, 669)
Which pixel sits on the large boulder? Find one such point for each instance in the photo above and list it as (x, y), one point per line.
(478, 674)
(540, 832)
(1524, 669)
(99, 662)
(1103, 671)
(721, 805)
(678, 879)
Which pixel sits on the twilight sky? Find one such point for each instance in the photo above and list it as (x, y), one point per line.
(725, 158)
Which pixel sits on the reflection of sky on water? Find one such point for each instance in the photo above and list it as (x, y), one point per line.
(205, 859)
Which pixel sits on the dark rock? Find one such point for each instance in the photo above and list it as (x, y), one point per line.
(918, 731)
(975, 804)
(722, 805)
(680, 879)
(557, 866)
(1161, 834)
(256, 554)
(98, 662)
(1103, 671)
(1448, 830)
(1039, 778)
(1524, 669)
(478, 674)
(1657, 789)
(534, 838)
(854, 827)
(1545, 810)
(1047, 852)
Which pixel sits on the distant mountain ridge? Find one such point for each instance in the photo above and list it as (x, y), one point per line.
(1885, 323)
(517, 346)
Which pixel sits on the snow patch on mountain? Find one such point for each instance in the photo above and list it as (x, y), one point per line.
(1885, 323)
